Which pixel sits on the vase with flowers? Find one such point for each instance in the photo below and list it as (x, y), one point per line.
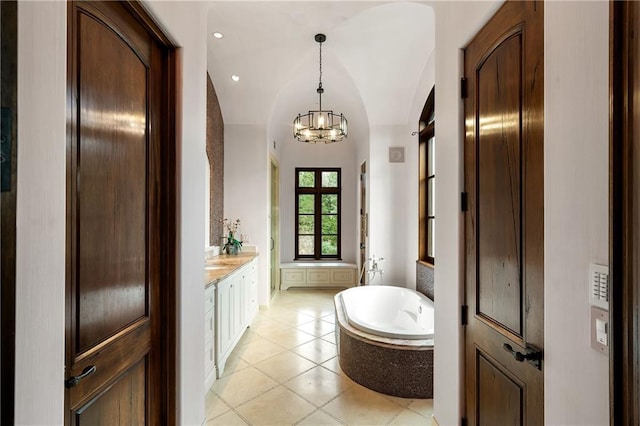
(232, 245)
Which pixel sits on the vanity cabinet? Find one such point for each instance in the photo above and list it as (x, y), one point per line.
(233, 308)
(209, 331)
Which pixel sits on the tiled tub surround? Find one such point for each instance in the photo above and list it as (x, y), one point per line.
(285, 371)
(424, 279)
(397, 367)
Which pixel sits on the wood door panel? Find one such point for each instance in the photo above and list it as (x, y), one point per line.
(500, 397)
(111, 359)
(112, 207)
(504, 222)
(498, 185)
(121, 404)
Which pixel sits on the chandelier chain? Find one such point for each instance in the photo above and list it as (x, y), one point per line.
(320, 89)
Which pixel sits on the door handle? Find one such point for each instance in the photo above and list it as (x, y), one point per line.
(533, 356)
(72, 381)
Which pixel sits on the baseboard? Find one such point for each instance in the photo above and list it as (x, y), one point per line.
(434, 422)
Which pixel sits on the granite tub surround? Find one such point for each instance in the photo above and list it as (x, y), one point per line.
(424, 279)
(219, 267)
(396, 367)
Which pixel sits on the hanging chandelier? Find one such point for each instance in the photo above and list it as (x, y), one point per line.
(320, 126)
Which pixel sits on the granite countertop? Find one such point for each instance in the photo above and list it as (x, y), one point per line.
(219, 267)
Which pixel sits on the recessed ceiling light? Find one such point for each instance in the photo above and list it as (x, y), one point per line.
(235, 78)
(218, 35)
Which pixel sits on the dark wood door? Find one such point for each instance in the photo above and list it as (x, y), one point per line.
(624, 229)
(504, 219)
(118, 220)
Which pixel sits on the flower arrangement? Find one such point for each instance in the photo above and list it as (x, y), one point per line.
(232, 246)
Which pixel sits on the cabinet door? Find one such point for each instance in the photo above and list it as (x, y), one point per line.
(225, 319)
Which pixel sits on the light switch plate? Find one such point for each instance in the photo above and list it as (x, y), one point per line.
(599, 330)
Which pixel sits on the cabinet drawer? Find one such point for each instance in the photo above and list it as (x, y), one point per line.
(209, 298)
(343, 276)
(318, 276)
(293, 276)
(208, 327)
(208, 357)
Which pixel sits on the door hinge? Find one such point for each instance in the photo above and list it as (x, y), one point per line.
(463, 202)
(463, 421)
(464, 314)
(463, 88)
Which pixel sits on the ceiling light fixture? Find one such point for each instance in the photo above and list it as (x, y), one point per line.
(218, 35)
(320, 126)
(235, 77)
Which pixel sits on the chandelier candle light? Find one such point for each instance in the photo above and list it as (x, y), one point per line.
(320, 126)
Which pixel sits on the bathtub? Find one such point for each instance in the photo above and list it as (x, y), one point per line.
(385, 339)
(387, 311)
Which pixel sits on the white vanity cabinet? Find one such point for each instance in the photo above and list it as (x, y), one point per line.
(209, 331)
(235, 304)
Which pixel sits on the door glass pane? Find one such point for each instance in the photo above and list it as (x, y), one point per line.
(431, 167)
(305, 244)
(329, 224)
(305, 203)
(305, 224)
(329, 245)
(329, 179)
(330, 203)
(431, 237)
(306, 179)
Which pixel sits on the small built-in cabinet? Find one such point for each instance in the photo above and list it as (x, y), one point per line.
(308, 274)
(234, 304)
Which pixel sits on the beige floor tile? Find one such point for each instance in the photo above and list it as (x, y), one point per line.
(422, 406)
(333, 364)
(317, 327)
(319, 418)
(270, 326)
(404, 402)
(234, 364)
(330, 318)
(242, 386)
(319, 385)
(284, 366)
(258, 351)
(278, 406)
(215, 406)
(359, 405)
(228, 419)
(248, 337)
(317, 350)
(408, 417)
(291, 317)
(331, 337)
(290, 338)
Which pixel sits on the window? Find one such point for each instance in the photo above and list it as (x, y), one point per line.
(317, 213)
(427, 177)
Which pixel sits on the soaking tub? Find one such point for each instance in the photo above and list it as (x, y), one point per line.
(385, 339)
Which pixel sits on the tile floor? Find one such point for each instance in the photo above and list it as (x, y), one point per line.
(285, 371)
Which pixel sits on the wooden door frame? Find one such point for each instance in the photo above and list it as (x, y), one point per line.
(624, 244)
(165, 329)
(273, 162)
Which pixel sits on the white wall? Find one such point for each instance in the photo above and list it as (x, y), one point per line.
(391, 194)
(576, 215)
(246, 192)
(576, 206)
(341, 154)
(40, 221)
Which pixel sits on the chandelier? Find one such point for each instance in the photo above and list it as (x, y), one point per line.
(320, 126)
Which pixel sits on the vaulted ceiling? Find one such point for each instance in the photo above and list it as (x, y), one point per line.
(373, 58)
